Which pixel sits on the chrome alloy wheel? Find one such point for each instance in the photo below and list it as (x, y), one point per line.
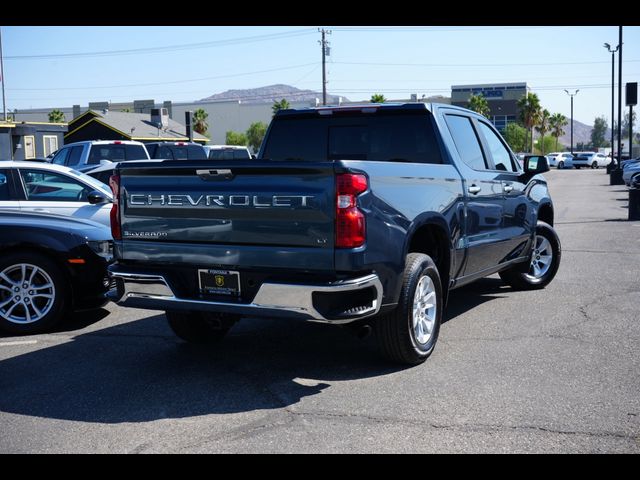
(424, 310)
(541, 258)
(27, 293)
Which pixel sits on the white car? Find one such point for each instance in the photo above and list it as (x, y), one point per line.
(560, 159)
(87, 155)
(46, 188)
(590, 159)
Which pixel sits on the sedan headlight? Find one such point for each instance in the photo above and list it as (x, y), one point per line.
(103, 248)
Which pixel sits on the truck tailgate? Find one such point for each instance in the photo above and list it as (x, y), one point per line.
(242, 207)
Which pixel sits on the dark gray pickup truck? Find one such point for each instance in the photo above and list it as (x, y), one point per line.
(366, 216)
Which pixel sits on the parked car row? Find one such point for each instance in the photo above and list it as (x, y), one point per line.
(631, 172)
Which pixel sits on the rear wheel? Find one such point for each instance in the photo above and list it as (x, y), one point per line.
(560, 164)
(34, 293)
(544, 263)
(594, 165)
(200, 327)
(409, 333)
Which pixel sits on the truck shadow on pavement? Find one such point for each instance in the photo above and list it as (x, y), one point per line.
(139, 371)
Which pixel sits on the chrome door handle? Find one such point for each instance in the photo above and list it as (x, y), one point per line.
(508, 188)
(474, 189)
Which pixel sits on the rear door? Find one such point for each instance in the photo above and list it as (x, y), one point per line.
(484, 198)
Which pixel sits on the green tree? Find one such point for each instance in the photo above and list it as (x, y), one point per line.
(516, 137)
(556, 122)
(56, 116)
(255, 134)
(543, 127)
(281, 105)
(625, 124)
(545, 144)
(378, 98)
(236, 138)
(529, 108)
(478, 103)
(126, 110)
(200, 124)
(598, 132)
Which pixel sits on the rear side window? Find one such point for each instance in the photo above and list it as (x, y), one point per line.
(241, 155)
(4, 185)
(466, 140)
(384, 136)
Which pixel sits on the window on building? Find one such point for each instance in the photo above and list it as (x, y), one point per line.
(29, 147)
(50, 143)
(466, 140)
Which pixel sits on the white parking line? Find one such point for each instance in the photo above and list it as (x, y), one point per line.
(21, 342)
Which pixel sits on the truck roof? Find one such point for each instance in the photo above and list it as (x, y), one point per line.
(367, 108)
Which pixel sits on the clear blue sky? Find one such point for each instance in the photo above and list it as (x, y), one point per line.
(60, 66)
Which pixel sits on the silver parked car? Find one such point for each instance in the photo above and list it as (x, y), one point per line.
(45, 188)
(560, 160)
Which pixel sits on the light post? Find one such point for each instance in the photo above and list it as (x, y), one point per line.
(572, 95)
(613, 100)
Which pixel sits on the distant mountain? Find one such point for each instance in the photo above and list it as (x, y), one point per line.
(581, 133)
(270, 94)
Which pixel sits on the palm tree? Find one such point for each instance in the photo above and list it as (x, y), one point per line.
(378, 98)
(281, 105)
(556, 122)
(529, 108)
(56, 116)
(200, 124)
(543, 127)
(478, 103)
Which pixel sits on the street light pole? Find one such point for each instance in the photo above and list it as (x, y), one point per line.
(572, 95)
(613, 95)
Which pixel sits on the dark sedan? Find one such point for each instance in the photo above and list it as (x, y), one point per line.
(49, 265)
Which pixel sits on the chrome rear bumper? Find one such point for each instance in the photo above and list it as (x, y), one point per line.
(273, 299)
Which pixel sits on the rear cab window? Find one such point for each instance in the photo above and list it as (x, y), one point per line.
(116, 153)
(388, 136)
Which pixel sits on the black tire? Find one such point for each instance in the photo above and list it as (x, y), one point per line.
(560, 165)
(53, 310)
(395, 331)
(577, 167)
(594, 165)
(521, 276)
(200, 327)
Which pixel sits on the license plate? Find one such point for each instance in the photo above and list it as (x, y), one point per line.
(219, 282)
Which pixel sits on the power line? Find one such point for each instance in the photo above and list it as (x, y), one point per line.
(169, 83)
(475, 64)
(167, 48)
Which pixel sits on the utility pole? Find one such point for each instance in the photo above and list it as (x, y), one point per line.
(4, 101)
(613, 101)
(572, 95)
(324, 44)
(620, 100)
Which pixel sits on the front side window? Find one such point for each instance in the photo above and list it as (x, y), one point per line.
(42, 185)
(466, 141)
(499, 153)
(60, 158)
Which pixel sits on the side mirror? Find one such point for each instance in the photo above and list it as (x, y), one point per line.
(96, 198)
(534, 164)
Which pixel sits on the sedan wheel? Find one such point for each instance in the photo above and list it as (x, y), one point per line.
(33, 293)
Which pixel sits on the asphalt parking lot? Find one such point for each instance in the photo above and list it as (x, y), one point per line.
(556, 370)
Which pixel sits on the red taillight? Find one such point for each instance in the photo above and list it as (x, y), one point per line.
(116, 231)
(117, 142)
(350, 223)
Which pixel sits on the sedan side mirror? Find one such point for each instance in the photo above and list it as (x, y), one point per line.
(534, 164)
(96, 198)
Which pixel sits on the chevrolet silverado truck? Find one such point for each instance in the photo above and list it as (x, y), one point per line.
(365, 216)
